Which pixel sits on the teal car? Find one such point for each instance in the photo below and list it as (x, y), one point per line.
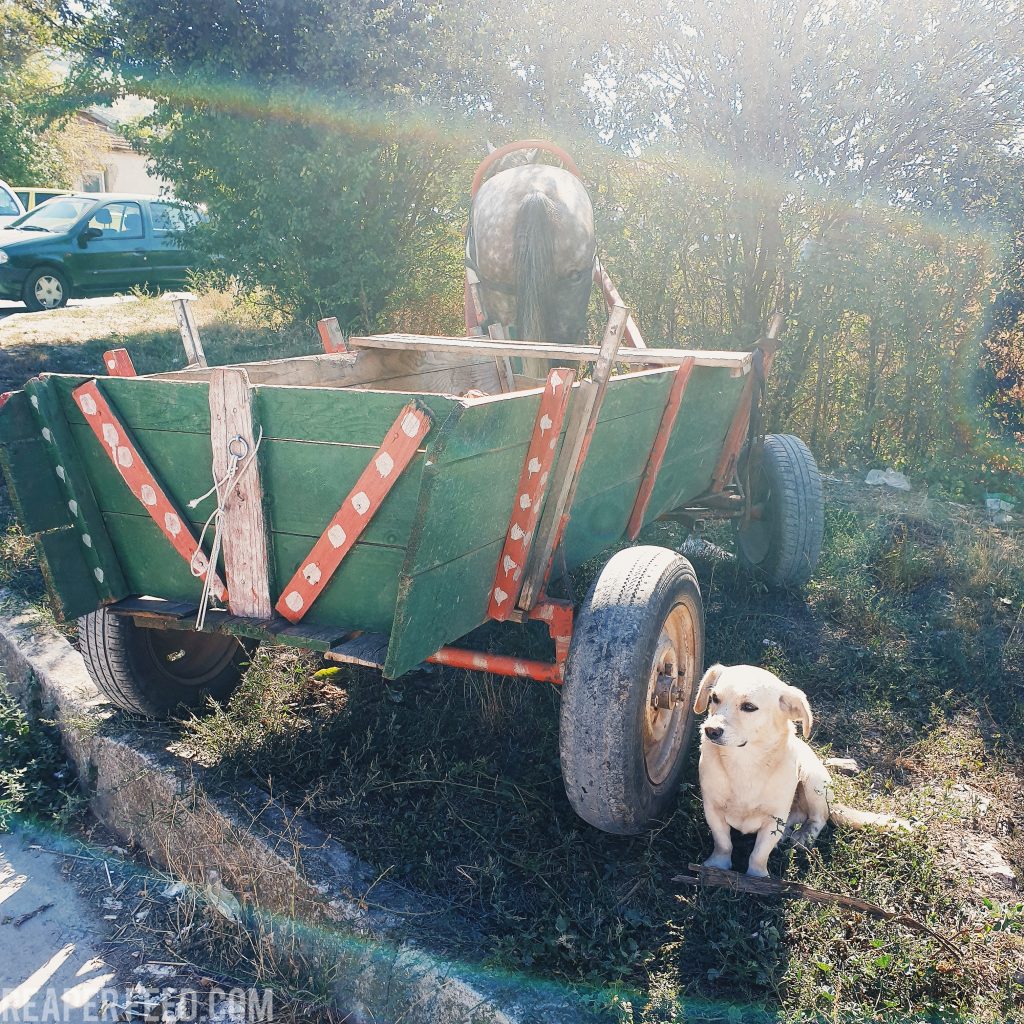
(94, 243)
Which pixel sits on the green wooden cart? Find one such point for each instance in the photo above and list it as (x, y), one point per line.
(381, 500)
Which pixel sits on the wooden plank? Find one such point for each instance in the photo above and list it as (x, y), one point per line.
(331, 336)
(66, 573)
(144, 403)
(395, 452)
(578, 433)
(63, 459)
(35, 490)
(307, 635)
(154, 606)
(506, 379)
(530, 492)
(236, 470)
(340, 417)
(738, 361)
(119, 363)
(368, 649)
(194, 354)
(612, 299)
(119, 446)
(657, 455)
(16, 422)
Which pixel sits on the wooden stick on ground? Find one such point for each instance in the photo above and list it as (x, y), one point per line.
(736, 882)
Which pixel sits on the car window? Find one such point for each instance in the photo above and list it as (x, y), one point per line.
(168, 218)
(42, 197)
(57, 215)
(8, 204)
(118, 220)
(23, 196)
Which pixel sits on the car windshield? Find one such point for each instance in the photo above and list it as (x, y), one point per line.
(55, 214)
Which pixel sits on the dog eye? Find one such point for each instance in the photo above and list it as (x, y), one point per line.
(714, 699)
(747, 706)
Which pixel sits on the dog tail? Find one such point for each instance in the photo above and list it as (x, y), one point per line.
(852, 818)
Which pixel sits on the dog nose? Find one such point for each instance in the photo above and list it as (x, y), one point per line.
(713, 732)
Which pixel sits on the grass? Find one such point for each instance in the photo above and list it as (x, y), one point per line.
(910, 643)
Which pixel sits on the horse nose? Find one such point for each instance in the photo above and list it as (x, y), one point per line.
(713, 732)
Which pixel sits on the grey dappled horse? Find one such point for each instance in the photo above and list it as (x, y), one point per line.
(531, 243)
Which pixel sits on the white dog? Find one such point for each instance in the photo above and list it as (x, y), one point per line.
(756, 774)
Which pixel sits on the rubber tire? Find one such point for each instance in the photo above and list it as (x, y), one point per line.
(795, 514)
(121, 659)
(605, 690)
(28, 289)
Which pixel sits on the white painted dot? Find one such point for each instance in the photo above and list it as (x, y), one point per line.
(148, 494)
(98, 573)
(520, 669)
(545, 423)
(110, 435)
(336, 535)
(556, 381)
(87, 540)
(554, 441)
(47, 436)
(73, 505)
(124, 457)
(294, 601)
(60, 472)
(533, 467)
(35, 402)
(112, 363)
(172, 523)
(543, 479)
(480, 662)
(312, 574)
(88, 405)
(361, 503)
(508, 565)
(516, 533)
(411, 425)
(499, 595)
(524, 501)
(384, 463)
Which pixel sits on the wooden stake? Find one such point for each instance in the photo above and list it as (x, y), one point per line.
(119, 363)
(505, 375)
(243, 527)
(194, 354)
(586, 406)
(331, 336)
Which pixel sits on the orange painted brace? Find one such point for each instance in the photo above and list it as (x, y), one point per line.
(331, 336)
(657, 456)
(119, 363)
(529, 494)
(359, 507)
(130, 463)
(5, 397)
(498, 664)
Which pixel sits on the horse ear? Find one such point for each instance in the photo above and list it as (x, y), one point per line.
(531, 154)
(490, 147)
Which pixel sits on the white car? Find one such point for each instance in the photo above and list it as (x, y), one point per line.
(10, 204)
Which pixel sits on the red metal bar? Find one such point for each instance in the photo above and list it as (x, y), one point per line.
(119, 363)
(513, 147)
(4, 397)
(529, 499)
(725, 469)
(559, 617)
(130, 463)
(657, 456)
(498, 664)
(330, 335)
(359, 507)
(633, 337)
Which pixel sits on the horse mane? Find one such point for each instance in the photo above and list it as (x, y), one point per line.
(534, 259)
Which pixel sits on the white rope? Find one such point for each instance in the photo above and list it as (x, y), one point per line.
(240, 462)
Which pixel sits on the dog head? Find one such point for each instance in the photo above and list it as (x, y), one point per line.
(749, 706)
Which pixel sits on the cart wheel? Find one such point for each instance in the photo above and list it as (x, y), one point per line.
(627, 700)
(782, 538)
(151, 672)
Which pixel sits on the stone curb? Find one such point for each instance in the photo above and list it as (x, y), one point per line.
(303, 886)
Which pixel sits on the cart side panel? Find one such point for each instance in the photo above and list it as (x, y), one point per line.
(466, 501)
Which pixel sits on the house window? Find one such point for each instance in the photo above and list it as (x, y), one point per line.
(94, 181)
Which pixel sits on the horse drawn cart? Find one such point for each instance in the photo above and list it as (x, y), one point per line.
(380, 501)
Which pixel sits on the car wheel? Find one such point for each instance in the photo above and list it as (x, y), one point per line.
(46, 288)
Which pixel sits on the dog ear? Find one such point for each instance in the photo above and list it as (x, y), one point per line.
(700, 704)
(794, 702)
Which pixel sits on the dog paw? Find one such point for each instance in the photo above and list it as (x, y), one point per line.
(719, 860)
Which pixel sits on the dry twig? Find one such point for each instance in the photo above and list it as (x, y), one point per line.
(736, 882)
